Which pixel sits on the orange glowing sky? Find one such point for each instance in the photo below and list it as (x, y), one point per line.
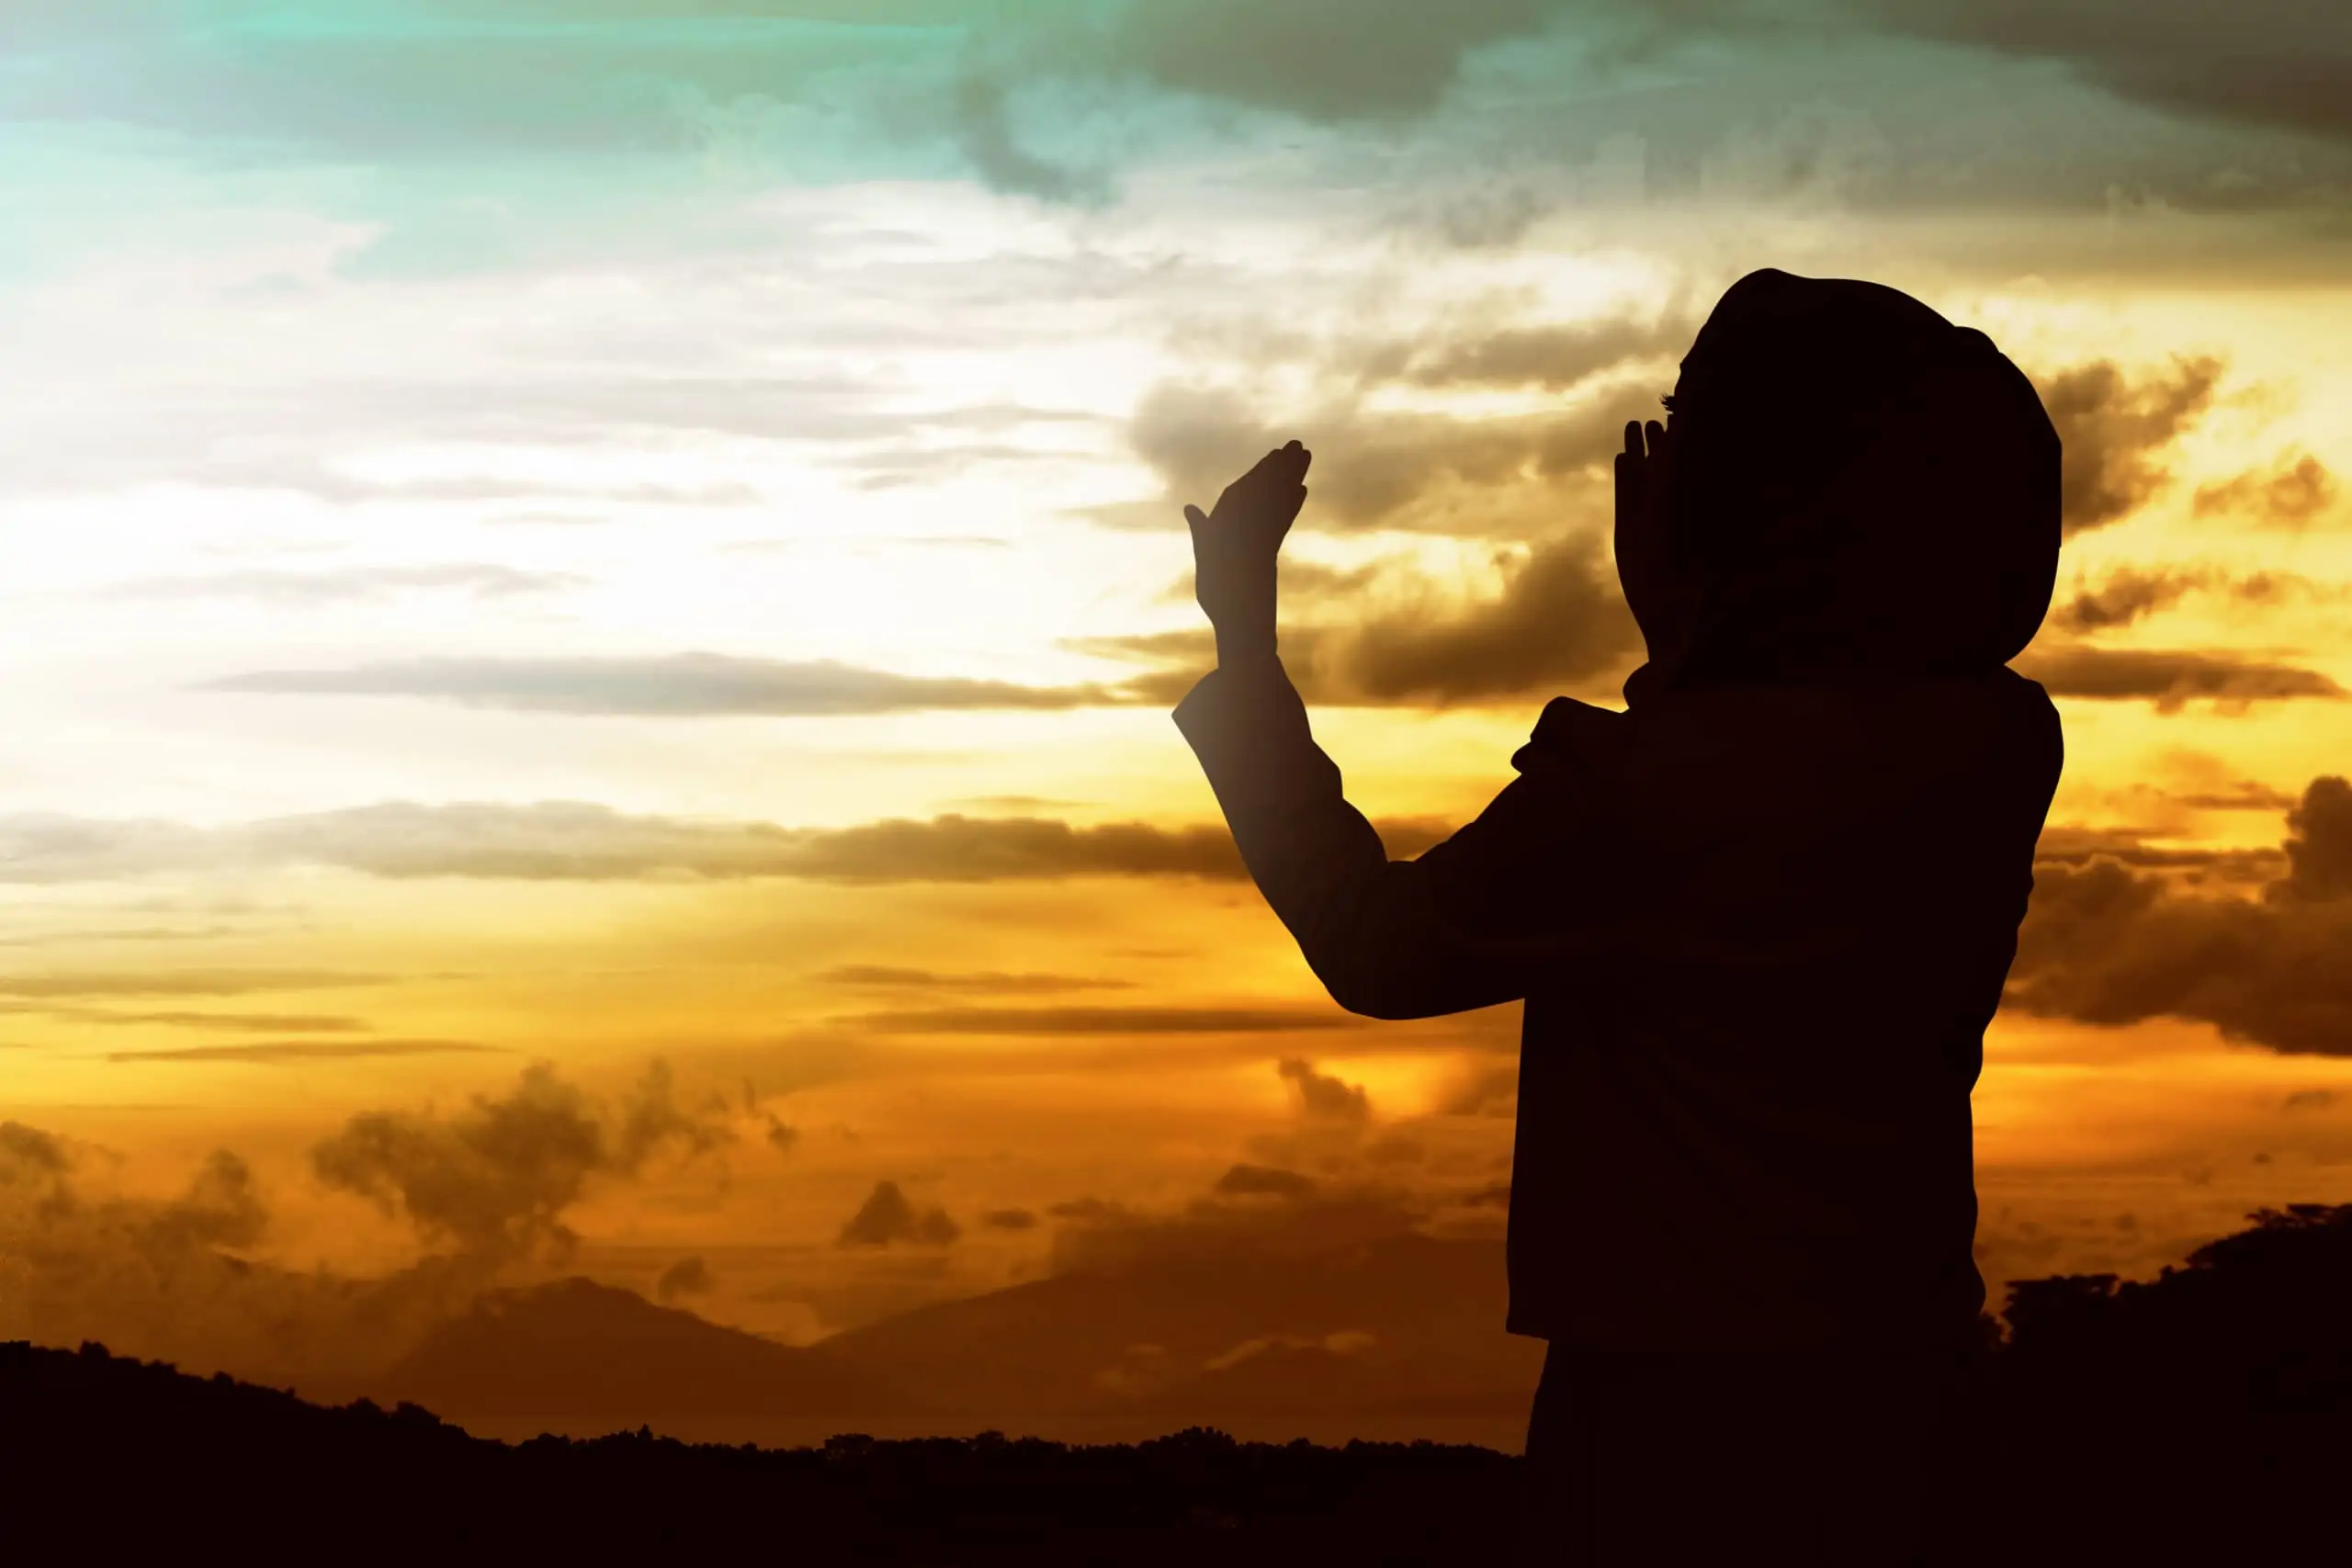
(484, 549)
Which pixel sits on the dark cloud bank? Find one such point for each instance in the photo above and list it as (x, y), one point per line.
(485, 1187)
(2108, 942)
(571, 841)
(1376, 636)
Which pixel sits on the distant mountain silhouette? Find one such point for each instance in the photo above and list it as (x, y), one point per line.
(579, 1349)
(100, 1457)
(1381, 1324)
(2201, 1417)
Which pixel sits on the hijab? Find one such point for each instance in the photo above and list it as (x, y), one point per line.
(1861, 489)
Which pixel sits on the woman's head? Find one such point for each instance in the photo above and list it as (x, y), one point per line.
(1859, 486)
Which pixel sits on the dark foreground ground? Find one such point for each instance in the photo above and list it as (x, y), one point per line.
(2204, 1418)
(104, 1453)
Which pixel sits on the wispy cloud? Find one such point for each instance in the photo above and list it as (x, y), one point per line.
(276, 1051)
(2171, 678)
(888, 977)
(256, 1023)
(178, 981)
(1106, 1021)
(682, 686)
(342, 585)
(576, 841)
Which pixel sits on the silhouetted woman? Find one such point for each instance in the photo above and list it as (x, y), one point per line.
(1760, 919)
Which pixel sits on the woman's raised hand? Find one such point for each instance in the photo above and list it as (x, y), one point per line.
(1235, 547)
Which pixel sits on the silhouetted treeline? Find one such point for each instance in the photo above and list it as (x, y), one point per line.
(104, 1453)
(2204, 1416)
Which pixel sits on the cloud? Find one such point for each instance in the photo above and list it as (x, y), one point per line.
(1435, 473)
(1263, 1181)
(680, 685)
(1010, 1220)
(883, 976)
(495, 1178)
(1230, 1231)
(2124, 596)
(158, 1276)
(686, 1277)
(177, 982)
(1107, 1020)
(783, 1139)
(1334, 60)
(2243, 795)
(2280, 63)
(28, 1154)
(888, 84)
(574, 841)
(1322, 1097)
(272, 1051)
(2288, 494)
(343, 585)
(2073, 846)
(980, 117)
(2105, 943)
(887, 1219)
(258, 1022)
(2116, 430)
(975, 849)
(1555, 358)
(2272, 63)
(176, 1277)
(2170, 678)
(2132, 593)
(2319, 844)
(1560, 619)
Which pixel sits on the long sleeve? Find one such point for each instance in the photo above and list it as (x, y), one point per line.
(1390, 939)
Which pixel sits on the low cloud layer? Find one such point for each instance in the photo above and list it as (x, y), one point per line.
(571, 841)
(186, 1278)
(2171, 678)
(495, 1179)
(680, 685)
(2106, 942)
(887, 1219)
(159, 1277)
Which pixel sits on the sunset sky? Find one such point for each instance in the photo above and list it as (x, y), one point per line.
(592, 591)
